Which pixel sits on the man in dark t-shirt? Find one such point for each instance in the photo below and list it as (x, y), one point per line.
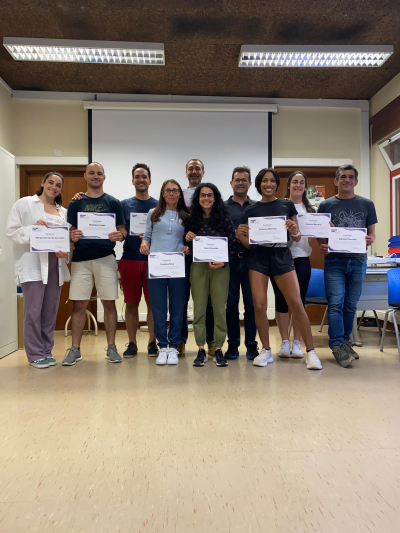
(344, 272)
(93, 262)
(133, 265)
(236, 206)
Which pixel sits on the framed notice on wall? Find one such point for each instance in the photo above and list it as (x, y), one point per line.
(316, 194)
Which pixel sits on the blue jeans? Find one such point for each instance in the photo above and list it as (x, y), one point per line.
(343, 285)
(240, 278)
(164, 294)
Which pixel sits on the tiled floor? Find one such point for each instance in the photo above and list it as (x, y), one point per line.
(177, 449)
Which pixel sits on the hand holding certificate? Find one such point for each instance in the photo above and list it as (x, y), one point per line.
(137, 223)
(210, 250)
(166, 265)
(49, 239)
(96, 225)
(267, 230)
(347, 240)
(314, 224)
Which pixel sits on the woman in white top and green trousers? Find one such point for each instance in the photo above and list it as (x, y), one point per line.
(40, 274)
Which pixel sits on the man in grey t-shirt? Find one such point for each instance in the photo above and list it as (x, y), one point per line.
(344, 272)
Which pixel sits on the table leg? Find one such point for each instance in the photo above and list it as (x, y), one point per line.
(354, 333)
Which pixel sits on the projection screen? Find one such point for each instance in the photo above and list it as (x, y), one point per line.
(165, 140)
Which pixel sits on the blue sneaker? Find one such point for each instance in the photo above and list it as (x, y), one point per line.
(252, 352)
(232, 352)
(131, 350)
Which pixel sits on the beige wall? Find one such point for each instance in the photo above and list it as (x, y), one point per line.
(383, 97)
(41, 126)
(380, 173)
(317, 133)
(6, 119)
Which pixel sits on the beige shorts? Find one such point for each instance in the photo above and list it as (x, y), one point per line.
(101, 272)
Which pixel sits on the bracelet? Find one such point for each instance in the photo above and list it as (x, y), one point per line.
(297, 234)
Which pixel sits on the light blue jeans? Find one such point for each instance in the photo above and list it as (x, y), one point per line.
(343, 285)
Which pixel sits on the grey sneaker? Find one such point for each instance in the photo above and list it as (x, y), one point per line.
(342, 356)
(40, 363)
(73, 356)
(112, 354)
(349, 349)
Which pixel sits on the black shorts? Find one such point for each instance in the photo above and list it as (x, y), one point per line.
(303, 271)
(270, 261)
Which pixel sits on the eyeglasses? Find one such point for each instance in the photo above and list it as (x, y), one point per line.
(205, 195)
(171, 191)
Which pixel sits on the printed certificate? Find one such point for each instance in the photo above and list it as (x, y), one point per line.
(188, 195)
(96, 225)
(166, 265)
(347, 240)
(137, 223)
(267, 230)
(53, 239)
(214, 249)
(314, 224)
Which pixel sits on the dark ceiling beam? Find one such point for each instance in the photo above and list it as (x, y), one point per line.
(386, 121)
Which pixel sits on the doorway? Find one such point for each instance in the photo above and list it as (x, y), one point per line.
(31, 177)
(315, 176)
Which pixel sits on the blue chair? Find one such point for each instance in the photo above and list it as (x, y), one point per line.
(316, 293)
(394, 303)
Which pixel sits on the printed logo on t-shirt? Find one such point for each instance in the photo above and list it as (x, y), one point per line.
(95, 208)
(349, 220)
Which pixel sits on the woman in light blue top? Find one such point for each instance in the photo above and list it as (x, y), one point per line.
(165, 233)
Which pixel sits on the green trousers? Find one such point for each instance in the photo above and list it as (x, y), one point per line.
(206, 281)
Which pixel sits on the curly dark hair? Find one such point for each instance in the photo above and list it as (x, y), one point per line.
(218, 210)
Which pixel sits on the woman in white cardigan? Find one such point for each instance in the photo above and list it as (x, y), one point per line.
(40, 274)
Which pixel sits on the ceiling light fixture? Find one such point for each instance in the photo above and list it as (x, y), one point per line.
(69, 51)
(313, 56)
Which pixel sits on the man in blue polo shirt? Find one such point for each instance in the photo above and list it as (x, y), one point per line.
(239, 274)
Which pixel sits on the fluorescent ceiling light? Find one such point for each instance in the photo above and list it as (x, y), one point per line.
(313, 56)
(64, 50)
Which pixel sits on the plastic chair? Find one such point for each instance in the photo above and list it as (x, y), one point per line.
(315, 294)
(394, 304)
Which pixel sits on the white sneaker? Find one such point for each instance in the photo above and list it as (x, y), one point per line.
(312, 361)
(296, 350)
(172, 357)
(264, 358)
(285, 349)
(162, 356)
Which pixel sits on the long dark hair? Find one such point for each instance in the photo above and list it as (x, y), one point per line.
(218, 211)
(58, 198)
(161, 207)
(304, 199)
